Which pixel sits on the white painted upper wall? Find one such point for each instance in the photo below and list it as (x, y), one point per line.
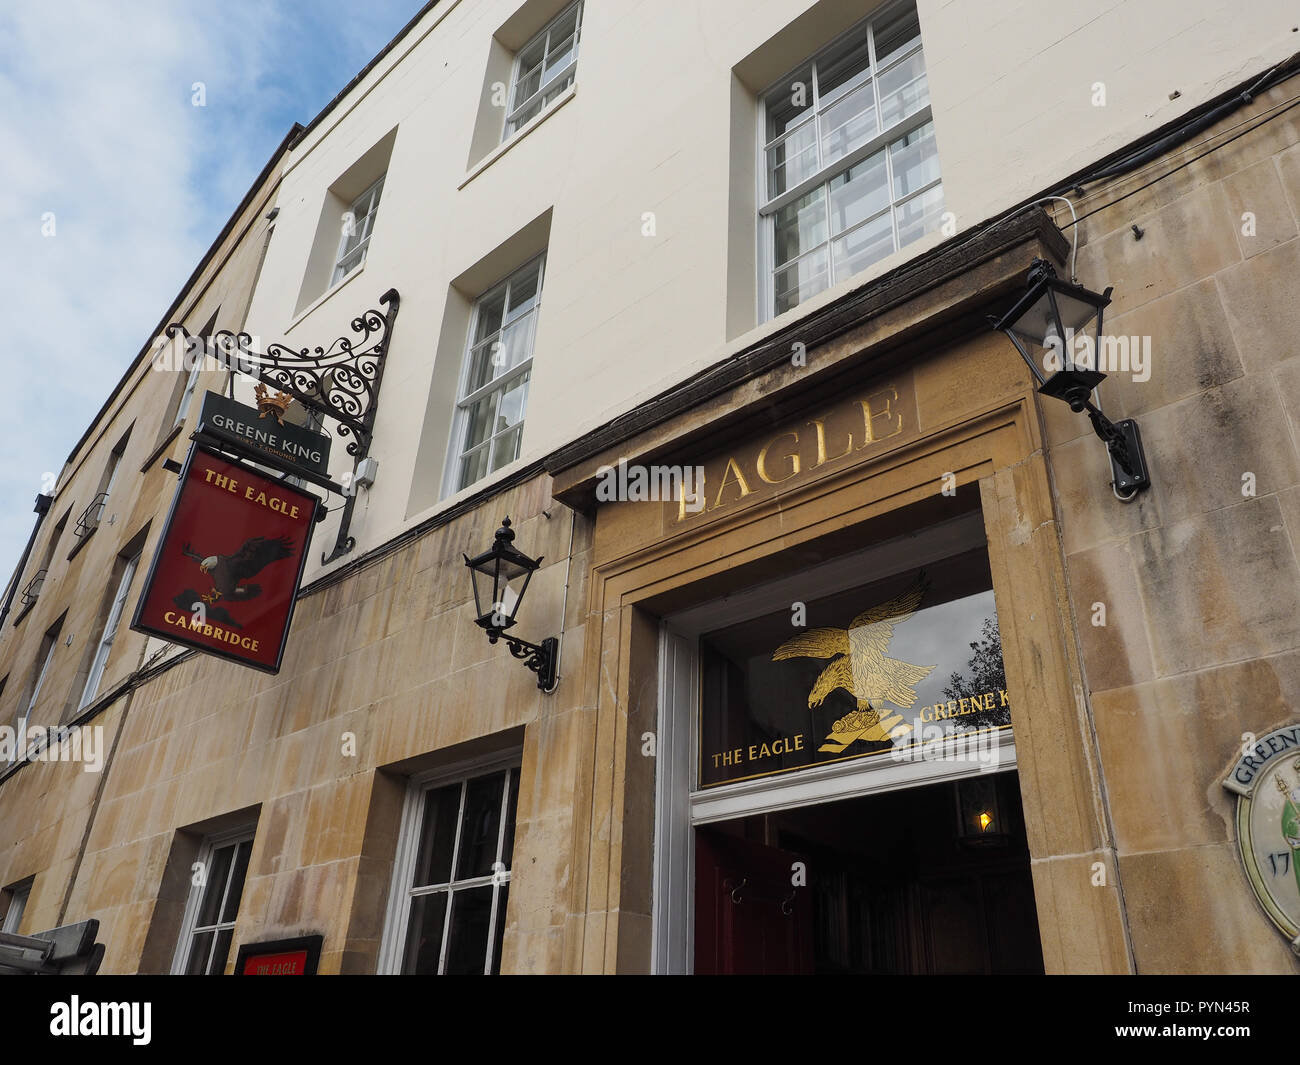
(650, 129)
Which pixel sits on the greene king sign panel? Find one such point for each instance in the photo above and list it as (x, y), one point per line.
(253, 432)
(226, 574)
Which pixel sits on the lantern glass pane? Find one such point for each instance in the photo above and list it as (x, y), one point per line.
(1076, 313)
(1033, 324)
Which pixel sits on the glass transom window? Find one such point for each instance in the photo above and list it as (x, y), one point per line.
(850, 166)
(498, 365)
(544, 68)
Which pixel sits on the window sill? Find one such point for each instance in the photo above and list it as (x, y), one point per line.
(319, 300)
(24, 612)
(505, 146)
(172, 433)
(82, 542)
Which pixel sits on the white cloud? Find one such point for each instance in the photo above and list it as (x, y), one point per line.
(98, 127)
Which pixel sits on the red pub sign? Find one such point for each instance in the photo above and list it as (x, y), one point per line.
(227, 569)
(283, 957)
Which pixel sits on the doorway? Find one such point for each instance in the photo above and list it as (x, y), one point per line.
(836, 785)
(888, 884)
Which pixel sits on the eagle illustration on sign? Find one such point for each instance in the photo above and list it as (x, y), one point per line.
(860, 667)
(227, 571)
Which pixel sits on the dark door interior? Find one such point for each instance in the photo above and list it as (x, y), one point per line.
(895, 884)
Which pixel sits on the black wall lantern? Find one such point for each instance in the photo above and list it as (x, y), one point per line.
(501, 575)
(1043, 326)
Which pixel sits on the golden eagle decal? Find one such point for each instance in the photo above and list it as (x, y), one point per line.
(860, 667)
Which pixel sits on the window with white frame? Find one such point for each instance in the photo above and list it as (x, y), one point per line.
(544, 68)
(452, 879)
(187, 396)
(110, 631)
(48, 646)
(209, 922)
(17, 904)
(489, 420)
(358, 223)
(850, 171)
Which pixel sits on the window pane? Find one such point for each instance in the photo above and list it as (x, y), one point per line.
(480, 827)
(903, 90)
(915, 160)
(214, 885)
(897, 31)
(237, 876)
(490, 309)
(556, 87)
(516, 344)
(200, 947)
(424, 934)
(849, 123)
(482, 363)
(433, 865)
(523, 290)
(789, 102)
(530, 72)
(473, 467)
(859, 193)
(564, 26)
(218, 964)
(503, 896)
(843, 73)
(467, 943)
(526, 115)
(479, 426)
(794, 159)
(510, 409)
(800, 226)
(863, 246)
(561, 55)
(505, 449)
(920, 215)
(796, 282)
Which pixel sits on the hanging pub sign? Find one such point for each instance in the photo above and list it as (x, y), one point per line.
(262, 429)
(1266, 781)
(226, 573)
(281, 957)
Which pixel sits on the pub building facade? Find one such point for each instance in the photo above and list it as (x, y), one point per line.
(866, 664)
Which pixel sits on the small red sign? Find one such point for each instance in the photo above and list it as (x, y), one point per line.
(227, 569)
(294, 963)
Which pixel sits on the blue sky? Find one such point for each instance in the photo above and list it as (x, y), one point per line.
(97, 126)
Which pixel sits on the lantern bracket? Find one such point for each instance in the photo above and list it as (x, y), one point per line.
(543, 659)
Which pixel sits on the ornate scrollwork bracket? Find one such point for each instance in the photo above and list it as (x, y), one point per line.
(339, 381)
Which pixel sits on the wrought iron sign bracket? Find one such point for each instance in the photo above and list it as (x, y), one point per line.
(340, 382)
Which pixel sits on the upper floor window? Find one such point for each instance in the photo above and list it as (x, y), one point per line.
(111, 623)
(850, 167)
(544, 68)
(17, 904)
(209, 922)
(49, 643)
(357, 224)
(187, 396)
(494, 380)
